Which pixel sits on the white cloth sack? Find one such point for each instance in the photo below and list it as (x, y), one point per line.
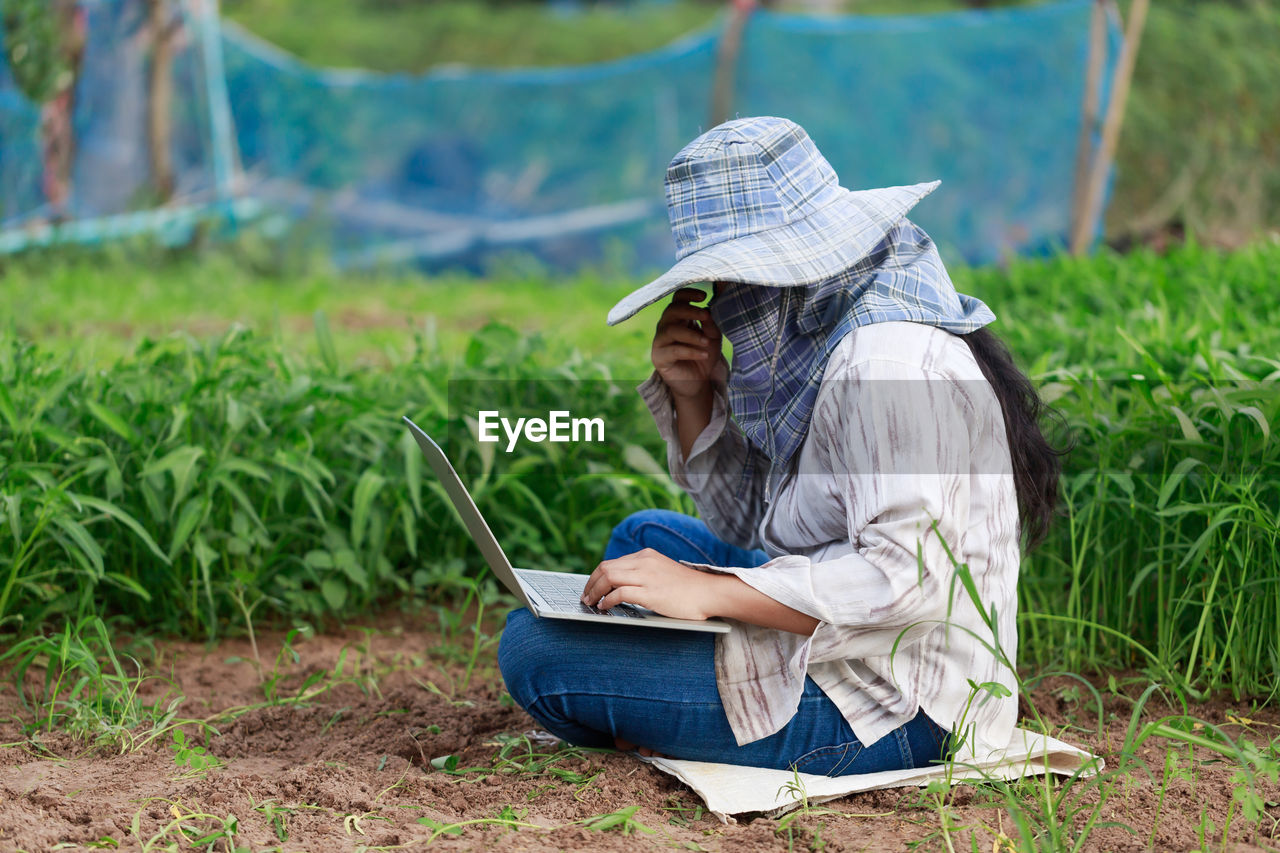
(729, 789)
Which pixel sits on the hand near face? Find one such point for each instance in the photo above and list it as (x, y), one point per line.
(686, 346)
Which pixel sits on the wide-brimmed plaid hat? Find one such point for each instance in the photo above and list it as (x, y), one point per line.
(753, 201)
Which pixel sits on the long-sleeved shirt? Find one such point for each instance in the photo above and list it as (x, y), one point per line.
(905, 473)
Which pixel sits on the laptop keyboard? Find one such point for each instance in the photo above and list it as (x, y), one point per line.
(564, 592)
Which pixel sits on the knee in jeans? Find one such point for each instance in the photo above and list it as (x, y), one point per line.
(628, 534)
(517, 655)
(535, 658)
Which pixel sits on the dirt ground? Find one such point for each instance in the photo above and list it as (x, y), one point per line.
(351, 768)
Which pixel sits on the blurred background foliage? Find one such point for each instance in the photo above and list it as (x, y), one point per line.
(31, 45)
(1200, 149)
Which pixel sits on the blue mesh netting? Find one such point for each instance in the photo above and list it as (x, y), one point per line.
(452, 166)
(990, 103)
(111, 169)
(112, 166)
(19, 150)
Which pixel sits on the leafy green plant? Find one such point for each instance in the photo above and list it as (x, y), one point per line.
(31, 46)
(276, 487)
(192, 756)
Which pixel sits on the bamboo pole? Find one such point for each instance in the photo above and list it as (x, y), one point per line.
(160, 98)
(727, 60)
(1089, 112)
(1091, 206)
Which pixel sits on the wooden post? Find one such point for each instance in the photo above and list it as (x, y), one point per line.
(160, 97)
(57, 131)
(1091, 205)
(1089, 112)
(727, 60)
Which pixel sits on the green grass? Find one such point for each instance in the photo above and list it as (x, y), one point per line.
(394, 35)
(98, 305)
(89, 690)
(413, 36)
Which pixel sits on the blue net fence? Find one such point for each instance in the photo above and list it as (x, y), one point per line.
(455, 167)
(461, 164)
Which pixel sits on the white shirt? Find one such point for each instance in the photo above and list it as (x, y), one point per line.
(905, 432)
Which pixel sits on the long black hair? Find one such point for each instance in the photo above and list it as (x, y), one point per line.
(1037, 464)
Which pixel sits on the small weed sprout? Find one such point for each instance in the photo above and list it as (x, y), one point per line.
(188, 828)
(508, 817)
(796, 791)
(277, 816)
(352, 822)
(87, 690)
(622, 821)
(271, 684)
(685, 816)
(195, 758)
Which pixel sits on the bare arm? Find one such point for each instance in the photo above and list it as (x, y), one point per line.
(692, 416)
(651, 580)
(732, 598)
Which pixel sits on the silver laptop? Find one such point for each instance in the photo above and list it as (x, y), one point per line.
(555, 595)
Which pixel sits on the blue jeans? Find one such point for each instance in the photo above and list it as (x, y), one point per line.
(588, 683)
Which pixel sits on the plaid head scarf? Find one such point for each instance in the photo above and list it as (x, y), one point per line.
(783, 336)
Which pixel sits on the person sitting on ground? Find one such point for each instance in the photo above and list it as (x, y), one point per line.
(866, 472)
